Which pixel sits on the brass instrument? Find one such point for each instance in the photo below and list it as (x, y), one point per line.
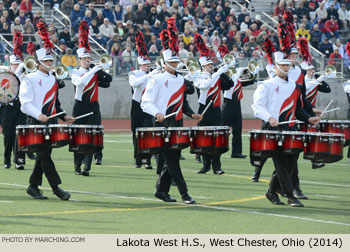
(30, 64)
(331, 72)
(190, 61)
(231, 71)
(253, 66)
(61, 72)
(228, 59)
(105, 61)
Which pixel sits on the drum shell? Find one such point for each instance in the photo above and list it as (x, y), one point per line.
(203, 140)
(305, 127)
(335, 127)
(263, 143)
(222, 139)
(317, 146)
(336, 151)
(346, 131)
(59, 135)
(31, 138)
(98, 132)
(293, 142)
(150, 140)
(82, 139)
(179, 138)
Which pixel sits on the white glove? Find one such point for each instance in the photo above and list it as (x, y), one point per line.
(154, 72)
(304, 65)
(96, 68)
(223, 69)
(323, 77)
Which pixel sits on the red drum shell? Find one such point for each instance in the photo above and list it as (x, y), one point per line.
(304, 127)
(222, 139)
(293, 142)
(336, 152)
(346, 131)
(82, 139)
(317, 146)
(179, 137)
(31, 138)
(203, 139)
(98, 133)
(263, 143)
(150, 140)
(328, 126)
(59, 135)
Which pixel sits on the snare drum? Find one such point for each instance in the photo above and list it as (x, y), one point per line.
(329, 126)
(179, 137)
(98, 132)
(346, 131)
(203, 139)
(336, 152)
(59, 135)
(293, 141)
(263, 143)
(31, 138)
(222, 139)
(305, 127)
(151, 140)
(317, 146)
(82, 138)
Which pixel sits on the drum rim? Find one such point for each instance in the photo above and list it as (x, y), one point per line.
(151, 129)
(293, 132)
(19, 83)
(59, 125)
(204, 128)
(179, 128)
(30, 126)
(331, 121)
(319, 134)
(222, 127)
(265, 131)
(82, 126)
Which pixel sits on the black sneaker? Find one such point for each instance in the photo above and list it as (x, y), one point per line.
(218, 172)
(164, 196)
(294, 202)
(187, 199)
(198, 158)
(238, 156)
(19, 167)
(148, 166)
(297, 193)
(77, 170)
(273, 197)
(317, 165)
(35, 193)
(85, 173)
(31, 155)
(62, 194)
(203, 170)
(182, 158)
(7, 166)
(255, 179)
(98, 162)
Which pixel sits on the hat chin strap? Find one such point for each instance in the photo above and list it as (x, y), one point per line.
(48, 67)
(282, 70)
(172, 68)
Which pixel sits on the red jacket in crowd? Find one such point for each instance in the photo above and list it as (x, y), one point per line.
(331, 27)
(333, 58)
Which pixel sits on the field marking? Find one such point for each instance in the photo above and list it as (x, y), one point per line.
(325, 196)
(5, 201)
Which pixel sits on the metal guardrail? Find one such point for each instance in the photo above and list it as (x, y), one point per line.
(64, 16)
(8, 43)
(41, 4)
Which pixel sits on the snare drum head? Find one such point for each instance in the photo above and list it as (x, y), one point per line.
(264, 132)
(9, 87)
(222, 128)
(59, 126)
(204, 128)
(81, 126)
(293, 133)
(179, 128)
(151, 129)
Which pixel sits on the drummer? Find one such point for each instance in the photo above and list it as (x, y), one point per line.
(277, 100)
(39, 100)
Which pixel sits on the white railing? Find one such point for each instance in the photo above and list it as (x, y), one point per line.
(54, 9)
(41, 4)
(2, 39)
(98, 45)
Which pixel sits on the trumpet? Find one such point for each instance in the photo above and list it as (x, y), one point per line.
(228, 59)
(231, 71)
(158, 64)
(61, 72)
(30, 64)
(105, 61)
(331, 72)
(253, 66)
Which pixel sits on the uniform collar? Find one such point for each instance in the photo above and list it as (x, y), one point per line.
(83, 70)
(280, 79)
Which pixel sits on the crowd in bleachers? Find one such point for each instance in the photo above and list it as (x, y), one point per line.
(113, 24)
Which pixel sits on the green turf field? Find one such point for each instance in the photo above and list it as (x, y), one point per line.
(118, 198)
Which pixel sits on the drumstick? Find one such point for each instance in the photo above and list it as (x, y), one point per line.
(288, 122)
(331, 110)
(165, 117)
(206, 108)
(329, 104)
(85, 115)
(52, 116)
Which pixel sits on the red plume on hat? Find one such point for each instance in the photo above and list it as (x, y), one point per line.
(30, 48)
(269, 49)
(223, 50)
(203, 49)
(347, 48)
(84, 36)
(42, 30)
(172, 29)
(164, 38)
(17, 42)
(140, 45)
(283, 34)
(304, 50)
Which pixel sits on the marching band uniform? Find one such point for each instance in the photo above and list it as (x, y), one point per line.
(346, 87)
(280, 99)
(39, 96)
(86, 82)
(313, 86)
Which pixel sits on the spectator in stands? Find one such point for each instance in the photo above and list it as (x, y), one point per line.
(190, 7)
(326, 48)
(140, 15)
(312, 11)
(125, 4)
(279, 10)
(65, 35)
(153, 52)
(128, 57)
(302, 32)
(111, 42)
(340, 46)
(177, 7)
(117, 52)
(53, 3)
(182, 51)
(241, 17)
(206, 35)
(81, 3)
(106, 30)
(129, 15)
(17, 25)
(154, 41)
(247, 51)
(335, 3)
(62, 46)
(332, 12)
(290, 6)
(152, 16)
(316, 36)
(28, 24)
(163, 13)
(322, 12)
(200, 7)
(227, 9)
(67, 7)
(257, 21)
(91, 7)
(215, 41)
(347, 3)
(222, 29)
(13, 11)
(22, 16)
(335, 59)
(344, 17)
(36, 18)
(118, 13)
(88, 17)
(301, 11)
(155, 29)
(107, 13)
(245, 25)
(231, 18)
(120, 29)
(251, 44)
(187, 36)
(191, 26)
(69, 60)
(26, 6)
(206, 24)
(332, 28)
(28, 35)
(254, 29)
(99, 18)
(217, 21)
(1, 7)
(75, 17)
(5, 31)
(305, 21)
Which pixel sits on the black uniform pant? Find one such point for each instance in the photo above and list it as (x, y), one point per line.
(81, 108)
(12, 117)
(171, 171)
(232, 117)
(139, 119)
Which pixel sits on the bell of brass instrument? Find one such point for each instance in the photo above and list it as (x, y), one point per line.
(61, 72)
(229, 59)
(231, 71)
(190, 61)
(193, 68)
(30, 64)
(253, 66)
(105, 61)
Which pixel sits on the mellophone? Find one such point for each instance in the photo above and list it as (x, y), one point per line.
(81, 138)
(202, 140)
(322, 143)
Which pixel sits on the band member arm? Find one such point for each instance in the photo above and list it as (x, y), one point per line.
(186, 109)
(189, 86)
(104, 79)
(346, 87)
(148, 100)
(59, 109)
(83, 80)
(207, 83)
(259, 106)
(135, 82)
(26, 97)
(226, 82)
(324, 87)
(300, 113)
(19, 70)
